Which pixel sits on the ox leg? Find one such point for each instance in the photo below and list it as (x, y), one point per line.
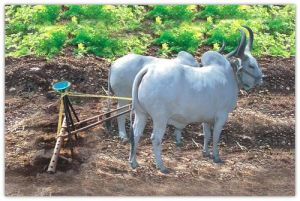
(218, 125)
(121, 120)
(138, 128)
(159, 128)
(177, 133)
(207, 136)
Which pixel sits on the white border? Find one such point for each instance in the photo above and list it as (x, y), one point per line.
(140, 2)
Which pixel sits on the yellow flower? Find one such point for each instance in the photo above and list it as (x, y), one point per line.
(74, 19)
(109, 7)
(158, 20)
(192, 7)
(209, 19)
(216, 46)
(199, 34)
(80, 46)
(40, 7)
(236, 24)
(244, 7)
(48, 34)
(165, 46)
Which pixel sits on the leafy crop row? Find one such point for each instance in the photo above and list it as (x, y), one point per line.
(110, 31)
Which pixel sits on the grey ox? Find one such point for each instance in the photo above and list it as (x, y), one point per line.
(122, 74)
(180, 95)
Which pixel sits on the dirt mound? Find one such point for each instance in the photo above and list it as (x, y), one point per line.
(257, 142)
(30, 74)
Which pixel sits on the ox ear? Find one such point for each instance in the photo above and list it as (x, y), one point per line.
(251, 36)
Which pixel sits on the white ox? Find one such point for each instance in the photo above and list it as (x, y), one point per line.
(180, 95)
(122, 74)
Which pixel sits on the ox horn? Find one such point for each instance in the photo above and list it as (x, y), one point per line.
(222, 48)
(242, 46)
(239, 51)
(250, 42)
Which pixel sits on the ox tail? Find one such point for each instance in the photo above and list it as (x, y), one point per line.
(108, 123)
(135, 102)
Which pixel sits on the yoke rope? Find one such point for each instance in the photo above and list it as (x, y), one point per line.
(96, 96)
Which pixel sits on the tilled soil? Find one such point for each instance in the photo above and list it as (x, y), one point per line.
(257, 142)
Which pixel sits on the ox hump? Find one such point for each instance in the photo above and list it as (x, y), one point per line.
(213, 58)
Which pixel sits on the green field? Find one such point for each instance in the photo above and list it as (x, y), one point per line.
(113, 30)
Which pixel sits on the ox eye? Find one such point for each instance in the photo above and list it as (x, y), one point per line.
(251, 67)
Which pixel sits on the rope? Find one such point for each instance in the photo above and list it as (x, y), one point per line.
(95, 96)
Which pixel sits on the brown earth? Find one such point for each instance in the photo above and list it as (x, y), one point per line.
(257, 143)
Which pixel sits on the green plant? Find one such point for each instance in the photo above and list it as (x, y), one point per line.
(82, 35)
(96, 12)
(225, 30)
(103, 45)
(12, 47)
(18, 19)
(177, 12)
(73, 10)
(275, 45)
(81, 49)
(97, 43)
(46, 13)
(179, 40)
(137, 44)
(127, 18)
(281, 20)
(222, 11)
(50, 44)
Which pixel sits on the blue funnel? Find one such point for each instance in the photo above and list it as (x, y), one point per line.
(61, 86)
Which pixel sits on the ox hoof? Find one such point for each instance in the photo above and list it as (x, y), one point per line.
(179, 144)
(218, 161)
(124, 140)
(108, 126)
(164, 170)
(134, 165)
(205, 154)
